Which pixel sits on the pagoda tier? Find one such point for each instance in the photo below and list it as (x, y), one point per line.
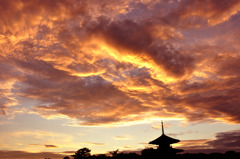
(164, 144)
(164, 140)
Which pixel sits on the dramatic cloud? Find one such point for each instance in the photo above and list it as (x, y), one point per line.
(129, 37)
(224, 141)
(101, 63)
(93, 64)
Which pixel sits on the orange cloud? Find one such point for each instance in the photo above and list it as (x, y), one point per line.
(104, 69)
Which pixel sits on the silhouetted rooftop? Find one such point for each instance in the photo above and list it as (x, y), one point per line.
(164, 139)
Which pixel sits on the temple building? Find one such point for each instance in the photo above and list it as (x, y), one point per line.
(164, 145)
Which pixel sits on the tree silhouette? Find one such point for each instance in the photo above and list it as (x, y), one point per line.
(101, 156)
(114, 153)
(151, 153)
(82, 153)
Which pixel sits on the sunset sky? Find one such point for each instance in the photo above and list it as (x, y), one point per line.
(103, 74)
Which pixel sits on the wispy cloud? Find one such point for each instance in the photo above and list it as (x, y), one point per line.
(125, 137)
(51, 146)
(92, 143)
(46, 146)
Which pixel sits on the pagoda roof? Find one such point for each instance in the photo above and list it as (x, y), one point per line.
(164, 139)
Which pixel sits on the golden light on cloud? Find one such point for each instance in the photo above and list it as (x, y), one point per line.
(126, 56)
(88, 74)
(89, 65)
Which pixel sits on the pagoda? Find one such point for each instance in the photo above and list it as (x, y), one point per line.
(164, 145)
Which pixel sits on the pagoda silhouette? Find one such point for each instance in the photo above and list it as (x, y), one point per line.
(165, 149)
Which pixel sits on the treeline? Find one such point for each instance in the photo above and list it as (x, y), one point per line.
(150, 153)
(226, 155)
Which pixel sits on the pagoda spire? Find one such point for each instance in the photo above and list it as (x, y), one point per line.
(165, 149)
(162, 128)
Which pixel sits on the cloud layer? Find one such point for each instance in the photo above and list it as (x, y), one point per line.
(224, 141)
(110, 63)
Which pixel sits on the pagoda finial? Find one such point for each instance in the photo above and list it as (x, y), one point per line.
(162, 128)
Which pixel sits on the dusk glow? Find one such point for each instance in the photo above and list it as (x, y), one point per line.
(103, 74)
